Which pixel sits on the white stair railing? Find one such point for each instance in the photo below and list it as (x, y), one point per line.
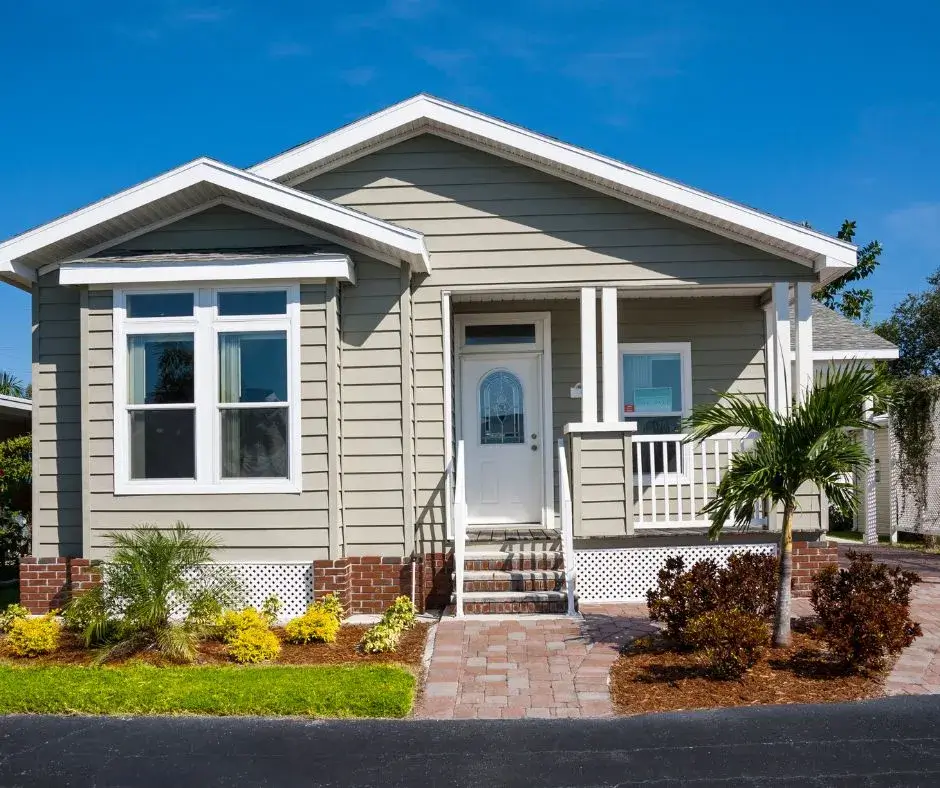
(460, 529)
(567, 525)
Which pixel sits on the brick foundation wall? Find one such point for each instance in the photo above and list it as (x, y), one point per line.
(49, 583)
(809, 558)
(370, 583)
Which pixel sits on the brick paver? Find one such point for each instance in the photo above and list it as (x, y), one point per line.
(533, 667)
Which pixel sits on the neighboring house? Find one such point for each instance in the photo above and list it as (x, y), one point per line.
(15, 416)
(359, 356)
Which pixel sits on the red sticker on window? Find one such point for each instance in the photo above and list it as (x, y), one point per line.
(628, 408)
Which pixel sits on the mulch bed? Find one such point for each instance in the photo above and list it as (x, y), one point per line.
(651, 676)
(409, 653)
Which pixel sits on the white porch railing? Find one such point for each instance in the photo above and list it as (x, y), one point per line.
(674, 480)
(460, 528)
(567, 525)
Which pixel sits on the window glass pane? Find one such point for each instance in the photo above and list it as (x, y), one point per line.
(254, 443)
(160, 305)
(163, 444)
(253, 366)
(501, 409)
(509, 334)
(160, 369)
(652, 383)
(245, 302)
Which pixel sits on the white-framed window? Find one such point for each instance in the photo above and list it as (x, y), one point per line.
(656, 393)
(207, 390)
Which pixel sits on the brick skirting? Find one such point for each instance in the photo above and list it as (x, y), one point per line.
(48, 583)
(809, 558)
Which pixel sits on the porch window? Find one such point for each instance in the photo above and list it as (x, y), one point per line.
(206, 385)
(655, 390)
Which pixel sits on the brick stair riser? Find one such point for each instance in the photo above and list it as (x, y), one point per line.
(548, 584)
(479, 608)
(514, 562)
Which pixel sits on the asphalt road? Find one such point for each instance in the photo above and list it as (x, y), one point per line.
(884, 742)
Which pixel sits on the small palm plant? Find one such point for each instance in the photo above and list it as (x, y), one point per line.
(151, 576)
(811, 445)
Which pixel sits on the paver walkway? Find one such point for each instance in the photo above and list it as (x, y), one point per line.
(488, 668)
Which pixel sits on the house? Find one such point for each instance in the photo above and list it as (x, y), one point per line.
(429, 350)
(15, 416)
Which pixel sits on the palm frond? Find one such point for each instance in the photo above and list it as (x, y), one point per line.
(733, 412)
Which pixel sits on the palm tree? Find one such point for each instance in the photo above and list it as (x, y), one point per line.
(813, 444)
(12, 386)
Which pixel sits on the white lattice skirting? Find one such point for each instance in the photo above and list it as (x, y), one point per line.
(625, 575)
(291, 583)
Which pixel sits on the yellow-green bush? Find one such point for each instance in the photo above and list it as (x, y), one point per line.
(316, 625)
(231, 622)
(10, 614)
(253, 644)
(330, 604)
(380, 638)
(401, 613)
(30, 637)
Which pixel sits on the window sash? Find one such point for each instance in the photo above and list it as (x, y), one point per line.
(206, 325)
(683, 350)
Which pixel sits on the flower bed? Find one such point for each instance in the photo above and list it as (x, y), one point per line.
(651, 675)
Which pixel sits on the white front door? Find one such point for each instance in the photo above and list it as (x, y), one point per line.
(501, 426)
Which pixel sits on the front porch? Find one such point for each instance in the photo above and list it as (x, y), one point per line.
(608, 387)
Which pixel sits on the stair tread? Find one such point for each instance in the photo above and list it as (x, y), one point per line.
(513, 596)
(509, 553)
(513, 574)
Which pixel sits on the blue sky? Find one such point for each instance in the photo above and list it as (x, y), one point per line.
(812, 111)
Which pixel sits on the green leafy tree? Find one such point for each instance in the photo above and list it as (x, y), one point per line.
(812, 444)
(853, 302)
(12, 386)
(914, 326)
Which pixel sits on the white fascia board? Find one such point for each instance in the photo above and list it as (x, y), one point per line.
(230, 269)
(408, 243)
(881, 354)
(432, 112)
(15, 404)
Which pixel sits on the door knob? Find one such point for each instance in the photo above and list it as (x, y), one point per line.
(534, 447)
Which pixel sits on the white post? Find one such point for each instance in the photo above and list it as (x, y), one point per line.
(803, 369)
(869, 488)
(780, 309)
(589, 355)
(610, 378)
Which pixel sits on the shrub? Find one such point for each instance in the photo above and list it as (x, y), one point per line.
(270, 609)
(401, 614)
(232, 622)
(30, 637)
(748, 584)
(253, 644)
(316, 625)
(10, 614)
(205, 610)
(731, 640)
(381, 638)
(330, 604)
(153, 574)
(864, 611)
(681, 596)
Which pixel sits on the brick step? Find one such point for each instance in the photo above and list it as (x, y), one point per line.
(476, 603)
(513, 560)
(514, 580)
(512, 539)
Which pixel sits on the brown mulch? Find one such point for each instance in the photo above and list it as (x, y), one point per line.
(652, 676)
(409, 653)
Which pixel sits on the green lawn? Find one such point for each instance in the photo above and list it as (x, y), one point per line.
(858, 536)
(317, 691)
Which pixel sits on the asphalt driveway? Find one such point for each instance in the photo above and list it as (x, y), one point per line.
(895, 741)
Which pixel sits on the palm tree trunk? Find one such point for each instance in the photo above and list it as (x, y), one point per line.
(784, 580)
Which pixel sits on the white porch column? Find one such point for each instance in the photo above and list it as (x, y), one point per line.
(610, 379)
(589, 355)
(780, 315)
(803, 368)
(869, 488)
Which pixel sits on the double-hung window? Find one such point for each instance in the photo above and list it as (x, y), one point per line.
(206, 390)
(656, 393)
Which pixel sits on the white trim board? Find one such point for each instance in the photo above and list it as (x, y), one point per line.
(406, 243)
(226, 269)
(422, 113)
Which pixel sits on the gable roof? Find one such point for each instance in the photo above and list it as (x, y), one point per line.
(836, 337)
(421, 114)
(189, 189)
